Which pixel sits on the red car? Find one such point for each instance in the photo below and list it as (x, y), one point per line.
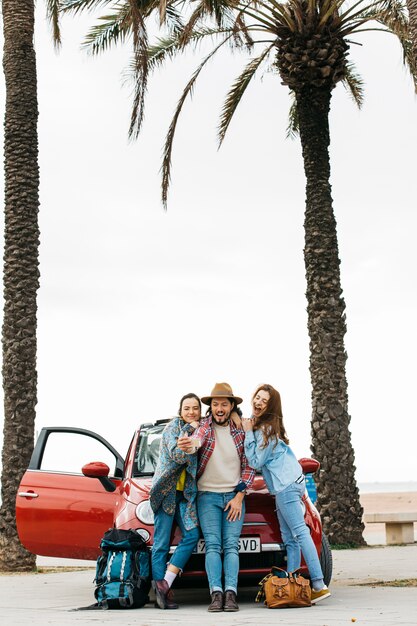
(63, 510)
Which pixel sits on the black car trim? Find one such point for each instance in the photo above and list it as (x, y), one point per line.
(37, 455)
(48, 471)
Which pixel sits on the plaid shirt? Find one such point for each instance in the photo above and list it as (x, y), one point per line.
(205, 432)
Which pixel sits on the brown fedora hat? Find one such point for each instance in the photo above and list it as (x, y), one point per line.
(221, 390)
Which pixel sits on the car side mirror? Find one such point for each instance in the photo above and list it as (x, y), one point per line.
(101, 471)
(309, 465)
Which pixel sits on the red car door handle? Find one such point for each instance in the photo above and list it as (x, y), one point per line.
(28, 494)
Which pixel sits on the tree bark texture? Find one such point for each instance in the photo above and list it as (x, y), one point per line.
(338, 496)
(412, 15)
(21, 275)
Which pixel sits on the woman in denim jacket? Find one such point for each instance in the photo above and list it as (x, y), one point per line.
(173, 496)
(267, 449)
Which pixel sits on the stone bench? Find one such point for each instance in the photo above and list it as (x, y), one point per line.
(399, 527)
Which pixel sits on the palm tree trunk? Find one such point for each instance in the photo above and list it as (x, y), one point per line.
(21, 275)
(338, 496)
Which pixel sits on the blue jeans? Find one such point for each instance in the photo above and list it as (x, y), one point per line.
(220, 535)
(161, 541)
(295, 532)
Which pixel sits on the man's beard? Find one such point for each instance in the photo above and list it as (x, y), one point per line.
(224, 423)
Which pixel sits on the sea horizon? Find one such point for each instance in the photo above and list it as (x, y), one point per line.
(387, 487)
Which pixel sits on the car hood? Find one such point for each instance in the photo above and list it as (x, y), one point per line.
(137, 489)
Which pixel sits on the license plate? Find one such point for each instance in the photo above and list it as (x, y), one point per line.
(246, 544)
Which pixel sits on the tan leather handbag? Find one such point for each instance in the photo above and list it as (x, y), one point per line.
(281, 589)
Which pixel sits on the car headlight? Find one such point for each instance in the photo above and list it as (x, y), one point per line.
(144, 513)
(143, 533)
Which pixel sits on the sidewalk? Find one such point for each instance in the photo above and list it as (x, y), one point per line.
(40, 599)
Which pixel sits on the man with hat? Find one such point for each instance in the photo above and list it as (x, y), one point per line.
(223, 475)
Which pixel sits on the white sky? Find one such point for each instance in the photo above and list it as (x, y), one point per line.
(138, 306)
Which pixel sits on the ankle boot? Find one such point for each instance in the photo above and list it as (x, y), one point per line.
(164, 595)
(216, 604)
(230, 602)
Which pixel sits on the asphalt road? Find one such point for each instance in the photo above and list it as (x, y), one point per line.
(42, 599)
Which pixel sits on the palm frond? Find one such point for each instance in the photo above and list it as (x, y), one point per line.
(241, 36)
(192, 22)
(52, 15)
(110, 30)
(353, 83)
(395, 20)
(262, 19)
(279, 13)
(222, 11)
(394, 17)
(270, 18)
(162, 11)
(238, 89)
(409, 59)
(140, 71)
(167, 152)
(332, 10)
(348, 13)
(350, 23)
(168, 48)
(77, 6)
(174, 22)
(298, 12)
(293, 127)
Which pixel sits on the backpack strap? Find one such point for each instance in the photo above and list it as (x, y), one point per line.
(103, 603)
(260, 596)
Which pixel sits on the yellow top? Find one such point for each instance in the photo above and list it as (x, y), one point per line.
(181, 481)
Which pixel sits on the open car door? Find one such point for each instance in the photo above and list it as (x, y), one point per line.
(59, 511)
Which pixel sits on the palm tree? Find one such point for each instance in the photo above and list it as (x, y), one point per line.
(21, 274)
(305, 42)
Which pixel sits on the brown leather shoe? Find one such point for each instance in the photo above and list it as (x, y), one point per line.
(164, 595)
(216, 604)
(230, 603)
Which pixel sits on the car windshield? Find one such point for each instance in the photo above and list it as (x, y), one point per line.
(147, 450)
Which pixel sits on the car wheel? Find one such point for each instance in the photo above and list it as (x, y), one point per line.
(326, 560)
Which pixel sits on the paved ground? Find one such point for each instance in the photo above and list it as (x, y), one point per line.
(42, 599)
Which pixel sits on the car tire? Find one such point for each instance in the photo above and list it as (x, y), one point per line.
(326, 560)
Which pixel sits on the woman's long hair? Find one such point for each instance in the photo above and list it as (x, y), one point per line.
(271, 422)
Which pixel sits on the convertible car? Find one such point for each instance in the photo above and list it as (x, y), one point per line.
(63, 509)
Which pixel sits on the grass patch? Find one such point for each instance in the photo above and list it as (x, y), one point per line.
(48, 570)
(345, 546)
(406, 582)
(59, 570)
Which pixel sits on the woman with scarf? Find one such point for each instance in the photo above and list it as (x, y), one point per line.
(173, 497)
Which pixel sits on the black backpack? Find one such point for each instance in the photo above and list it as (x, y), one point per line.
(123, 571)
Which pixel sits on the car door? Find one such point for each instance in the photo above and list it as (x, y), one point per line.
(59, 511)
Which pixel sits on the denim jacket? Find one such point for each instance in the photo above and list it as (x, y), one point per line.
(277, 461)
(171, 462)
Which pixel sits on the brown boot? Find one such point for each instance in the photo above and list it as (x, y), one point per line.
(216, 604)
(164, 595)
(230, 603)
